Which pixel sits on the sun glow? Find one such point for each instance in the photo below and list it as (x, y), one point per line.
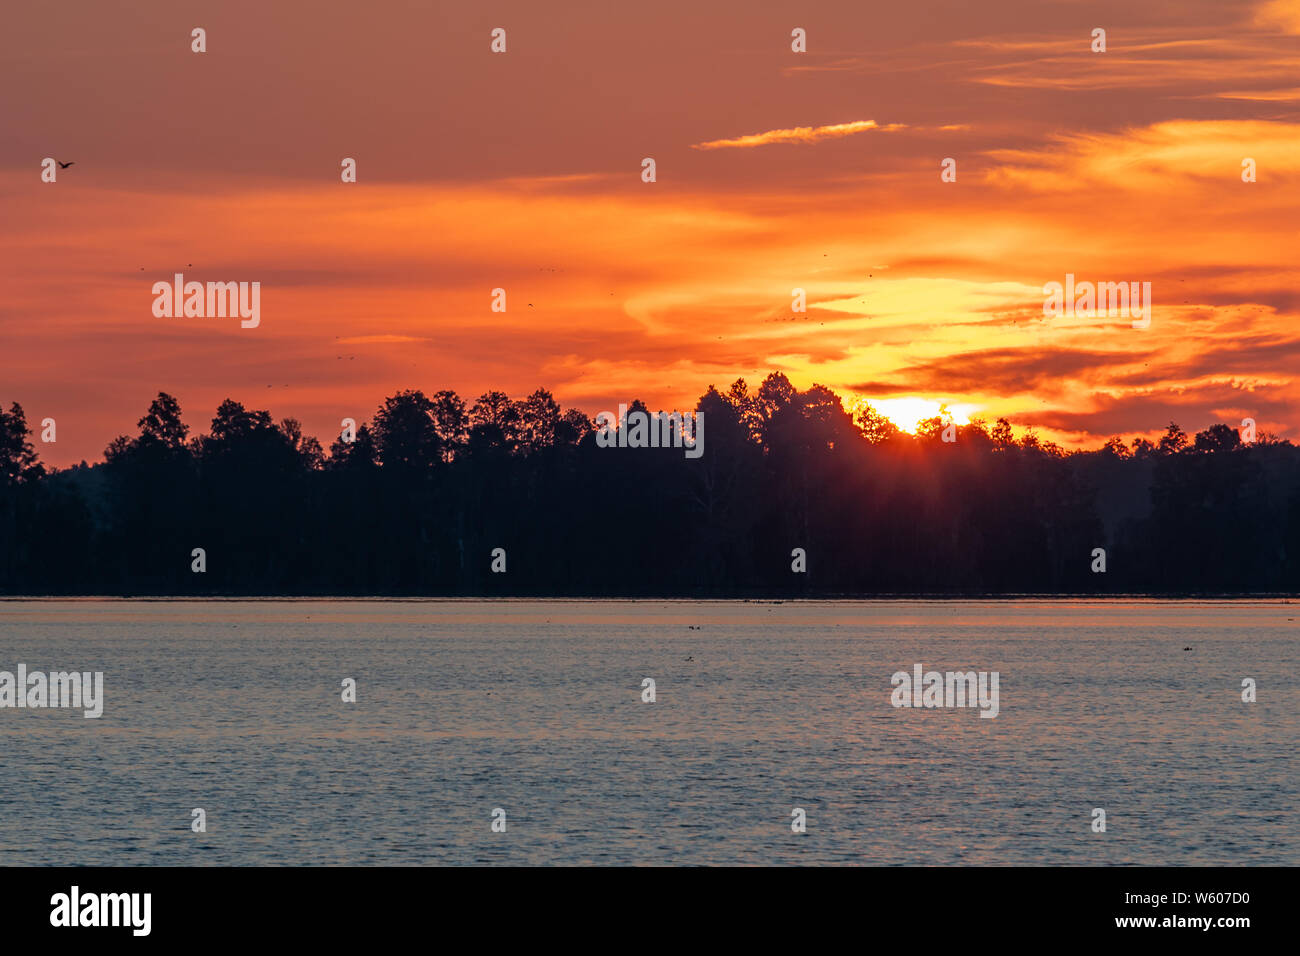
(907, 413)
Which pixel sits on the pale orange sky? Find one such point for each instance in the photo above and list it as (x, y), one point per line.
(776, 170)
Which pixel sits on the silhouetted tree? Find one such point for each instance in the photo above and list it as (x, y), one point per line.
(1217, 438)
(1173, 441)
(406, 432)
(494, 423)
(874, 426)
(18, 459)
(426, 489)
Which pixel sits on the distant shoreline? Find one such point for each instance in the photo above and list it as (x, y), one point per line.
(641, 598)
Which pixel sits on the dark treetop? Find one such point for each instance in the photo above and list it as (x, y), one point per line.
(417, 502)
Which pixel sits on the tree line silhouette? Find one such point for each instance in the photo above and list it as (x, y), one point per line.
(429, 487)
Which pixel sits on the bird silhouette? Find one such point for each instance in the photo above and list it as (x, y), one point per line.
(65, 165)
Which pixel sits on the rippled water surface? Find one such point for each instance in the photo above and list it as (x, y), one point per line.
(535, 707)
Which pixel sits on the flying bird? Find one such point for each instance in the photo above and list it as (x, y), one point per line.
(65, 165)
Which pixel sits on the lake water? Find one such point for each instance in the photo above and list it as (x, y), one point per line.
(535, 707)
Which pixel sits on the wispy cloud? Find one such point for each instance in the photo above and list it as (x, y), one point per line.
(1152, 156)
(380, 339)
(800, 134)
(1284, 14)
(1261, 96)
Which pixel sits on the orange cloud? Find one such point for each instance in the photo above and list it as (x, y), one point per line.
(1114, 167)
(1261, 96)
(1153, 157)
(800, 134)
(380, 339)
(1280, 14)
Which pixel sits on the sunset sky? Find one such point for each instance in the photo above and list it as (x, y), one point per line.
(775, 170)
